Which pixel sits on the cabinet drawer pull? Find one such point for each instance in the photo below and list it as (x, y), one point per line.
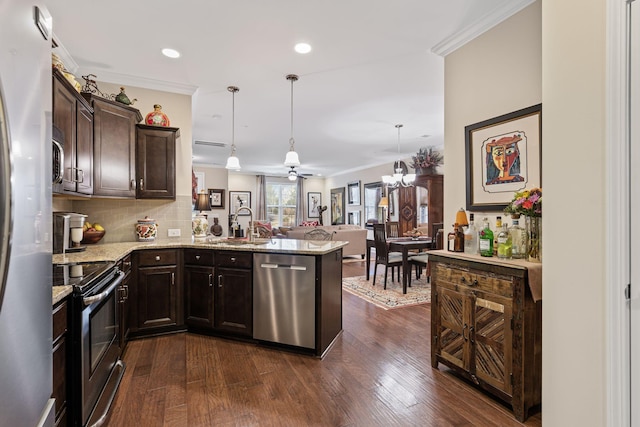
(173, 279)
(197, 257)
(141, 184)
(233, 259)
(210, 280)
(472, 334)
(463, 279)
(220, 280)
(157, 257)
(474, 283)
(464, 329)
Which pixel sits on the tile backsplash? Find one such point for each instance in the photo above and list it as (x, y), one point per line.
(120, 216)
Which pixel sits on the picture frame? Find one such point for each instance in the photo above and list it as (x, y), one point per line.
(200, 180)
(354, 217)
(314, 201)
(513, 142)
(353, 192)
(238, 199)
(373, 192)
(216, 198)
(337, 206)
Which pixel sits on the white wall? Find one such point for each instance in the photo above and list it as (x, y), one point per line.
(573, 97)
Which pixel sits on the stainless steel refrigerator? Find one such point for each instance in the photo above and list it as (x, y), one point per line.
(25, 215)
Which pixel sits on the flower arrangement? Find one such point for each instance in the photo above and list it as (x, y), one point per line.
(427, 157)
(526, 202)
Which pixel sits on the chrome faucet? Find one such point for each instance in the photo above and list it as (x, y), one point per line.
(252, 232)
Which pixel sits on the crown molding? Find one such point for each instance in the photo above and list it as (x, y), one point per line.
(69, 63)
(142, 82)
(483, 24)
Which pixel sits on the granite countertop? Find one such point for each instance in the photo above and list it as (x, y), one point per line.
(116, 251)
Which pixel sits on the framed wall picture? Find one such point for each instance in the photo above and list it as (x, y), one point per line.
(354, 217)
(314, 201)
(238, 199)
(216, 197)
(353, 191)
(503, 155)
(373, 192)
(337, 206)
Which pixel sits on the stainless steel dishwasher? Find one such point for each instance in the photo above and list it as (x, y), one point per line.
(284, 299)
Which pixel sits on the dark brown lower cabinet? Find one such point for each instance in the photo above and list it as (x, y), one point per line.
(486, 326)
(60, 383)
(233, 296)
(198, 287)
(158, 293)
(125, 265)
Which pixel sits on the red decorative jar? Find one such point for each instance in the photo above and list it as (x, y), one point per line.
(157, 117)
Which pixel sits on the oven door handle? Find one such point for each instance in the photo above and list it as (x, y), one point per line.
(102, 295)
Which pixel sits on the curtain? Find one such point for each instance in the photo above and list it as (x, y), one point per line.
(299, 201)
(261, 202)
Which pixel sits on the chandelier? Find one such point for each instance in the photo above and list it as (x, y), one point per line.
(400, 178)
(292, 160)
(232, 162)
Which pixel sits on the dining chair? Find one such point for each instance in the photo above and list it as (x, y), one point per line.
(383, 255)
(393, 229)
(317, 234)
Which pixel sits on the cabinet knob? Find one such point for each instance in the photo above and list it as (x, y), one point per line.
(233, 259)
(157, 257)
(197, 257)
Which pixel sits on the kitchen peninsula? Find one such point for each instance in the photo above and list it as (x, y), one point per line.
(219, 287)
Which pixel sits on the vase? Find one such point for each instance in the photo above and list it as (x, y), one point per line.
(534, 233)
(157, 117)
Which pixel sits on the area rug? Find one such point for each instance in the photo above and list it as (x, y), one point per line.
(418, 293)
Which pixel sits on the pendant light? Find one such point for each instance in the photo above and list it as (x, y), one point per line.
(232, 162)
(399, 178)
(292, 160)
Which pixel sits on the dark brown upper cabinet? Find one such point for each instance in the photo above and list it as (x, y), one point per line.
(114, 147)
(156, 162)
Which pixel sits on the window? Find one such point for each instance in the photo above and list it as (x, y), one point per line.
(281, 203)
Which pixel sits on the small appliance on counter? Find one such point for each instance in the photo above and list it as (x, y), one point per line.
(68, 228)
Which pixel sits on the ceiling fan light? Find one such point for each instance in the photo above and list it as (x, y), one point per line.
(409, 178)
(293, 175)
(233, 163)
(291, 159)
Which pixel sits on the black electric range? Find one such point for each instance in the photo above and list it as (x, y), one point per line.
(82, 276)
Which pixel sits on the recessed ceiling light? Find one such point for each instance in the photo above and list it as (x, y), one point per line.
(302, 48)
(170, 53)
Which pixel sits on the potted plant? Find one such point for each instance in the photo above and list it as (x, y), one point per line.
(426, 160)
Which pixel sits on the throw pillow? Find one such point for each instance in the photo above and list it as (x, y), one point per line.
(309, 224)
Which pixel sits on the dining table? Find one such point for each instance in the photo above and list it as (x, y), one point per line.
(403, 245)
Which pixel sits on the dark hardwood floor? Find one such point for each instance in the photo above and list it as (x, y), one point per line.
(377, 374)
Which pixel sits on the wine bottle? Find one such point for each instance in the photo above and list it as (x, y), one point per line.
(486, 239)
(471, 237)
(518, 240)
(504, 243)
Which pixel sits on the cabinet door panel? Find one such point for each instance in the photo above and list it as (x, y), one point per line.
(156, 162)
(157, 297)
(453, 328)
(492, 336)
(115, 150)
(233, 301)
(199, 296)
(64, 117)
(84, 141)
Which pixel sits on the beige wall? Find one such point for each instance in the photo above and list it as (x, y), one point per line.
(494, 74)
(119, 216)
(574, 280)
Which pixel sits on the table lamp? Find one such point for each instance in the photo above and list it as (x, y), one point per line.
(384, 204)
(461, 217)
(199, 224)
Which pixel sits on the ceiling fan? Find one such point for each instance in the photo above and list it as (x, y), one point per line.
(293, 174)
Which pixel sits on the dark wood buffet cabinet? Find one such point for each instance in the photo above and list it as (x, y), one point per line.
(486, 324)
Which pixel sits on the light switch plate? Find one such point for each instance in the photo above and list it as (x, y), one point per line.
(174, 232)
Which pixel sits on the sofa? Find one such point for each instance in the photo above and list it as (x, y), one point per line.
(354, 234)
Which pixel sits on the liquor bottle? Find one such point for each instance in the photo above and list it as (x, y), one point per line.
(495, 234)
(471, 237)
(504, 243)
(518, 240)
(486, 239)
(455, 239)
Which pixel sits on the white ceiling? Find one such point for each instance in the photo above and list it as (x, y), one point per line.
(371, 67)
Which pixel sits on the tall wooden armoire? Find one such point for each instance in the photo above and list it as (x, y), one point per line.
(423, 203)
